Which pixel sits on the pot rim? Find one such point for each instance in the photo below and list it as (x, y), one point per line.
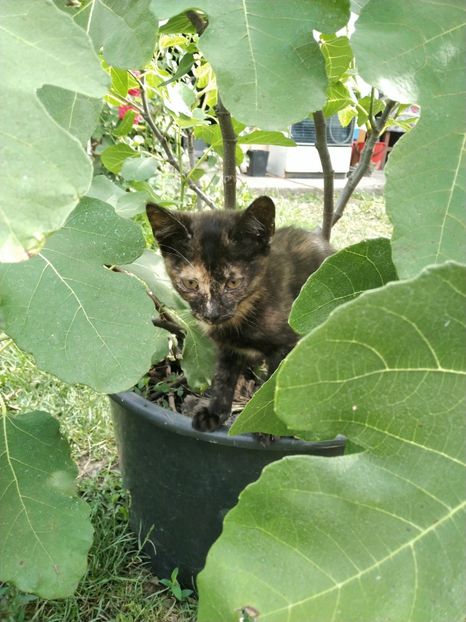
(181, 424)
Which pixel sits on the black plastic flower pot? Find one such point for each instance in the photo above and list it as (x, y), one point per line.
(183, 482)
(257, 162)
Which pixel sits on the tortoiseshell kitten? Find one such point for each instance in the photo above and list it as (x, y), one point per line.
(240, 279)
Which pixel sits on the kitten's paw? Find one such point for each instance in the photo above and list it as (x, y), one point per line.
(205, 421)
(192, 404)
(198, 409)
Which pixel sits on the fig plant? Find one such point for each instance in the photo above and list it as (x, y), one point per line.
(375, 534)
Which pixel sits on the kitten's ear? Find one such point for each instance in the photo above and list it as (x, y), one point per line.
(258, 219)
(167, 225)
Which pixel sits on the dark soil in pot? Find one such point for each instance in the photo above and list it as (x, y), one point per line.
(183, 482)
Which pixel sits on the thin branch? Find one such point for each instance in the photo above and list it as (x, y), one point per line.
(169, 326)
(229, 154)
(327, 169)
(192, 161)
(364, 162)
(166, 145)
(165, 320)
(226, 129)
(371, 109)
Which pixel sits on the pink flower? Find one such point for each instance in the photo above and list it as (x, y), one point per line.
(122, 110)
(134, 92)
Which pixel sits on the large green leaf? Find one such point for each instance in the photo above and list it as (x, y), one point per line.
(262, 51)
(393, 350)
(45, 532)
(378, 535)
(415, 51)
(81, 321)
(76, 113)
(341, 278)
(125, 29)
(44, 169)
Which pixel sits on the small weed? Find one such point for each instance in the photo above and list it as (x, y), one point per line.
(174, 587)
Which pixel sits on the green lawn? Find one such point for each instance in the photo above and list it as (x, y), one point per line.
(118, 586)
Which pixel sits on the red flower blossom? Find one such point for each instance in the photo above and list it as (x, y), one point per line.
(122, 110)
(134, 92)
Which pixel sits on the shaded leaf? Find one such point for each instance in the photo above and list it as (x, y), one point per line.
(81, 321)
(150, 268)
(45, 532)
(138, 169)
(198, 356)
(341, 278)
(120, 81)
(131, 203)
(414, 52)
(261, 54)
(126, 124)
(114, 156)
(260, 137)
(178, 23)
(106, 190)
(126, 29)
(45, 170)
(183, 68)
(77, 114)
(259, 413)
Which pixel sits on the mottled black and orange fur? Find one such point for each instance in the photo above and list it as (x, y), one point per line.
(268, 268)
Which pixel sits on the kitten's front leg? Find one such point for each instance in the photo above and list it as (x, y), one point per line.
(209, 417)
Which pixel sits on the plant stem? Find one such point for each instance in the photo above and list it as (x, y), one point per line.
(226, 129)
(371, 109)
(166, 145)
(229, 153)
(327, 170)
(165, 320)
(192, 161)
(363, 163)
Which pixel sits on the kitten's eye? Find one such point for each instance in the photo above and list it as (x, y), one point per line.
(233, 283)
(191, 284)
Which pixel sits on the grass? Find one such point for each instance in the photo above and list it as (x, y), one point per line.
(118, 586)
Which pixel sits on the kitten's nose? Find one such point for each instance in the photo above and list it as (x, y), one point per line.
(212, 315)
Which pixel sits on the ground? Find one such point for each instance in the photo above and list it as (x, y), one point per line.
(118, 586)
